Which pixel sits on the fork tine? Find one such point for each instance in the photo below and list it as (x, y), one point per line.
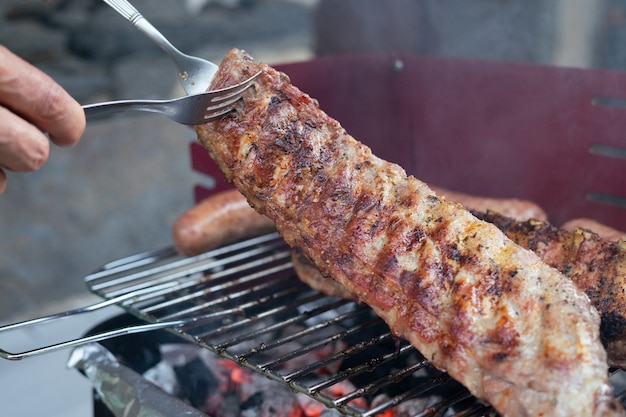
(222, 111)
(228, 98)
(214, 112)
(222, 104)
(225, 102)
(227, 94)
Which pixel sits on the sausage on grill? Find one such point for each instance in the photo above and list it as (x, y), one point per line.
(602, 230)
(218, 220)
(513, 330)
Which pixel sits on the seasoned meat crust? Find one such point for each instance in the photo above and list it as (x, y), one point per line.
(597, 266)
(510, 328)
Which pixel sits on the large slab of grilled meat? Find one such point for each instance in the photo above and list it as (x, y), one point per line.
(596, 265)
(513, 330)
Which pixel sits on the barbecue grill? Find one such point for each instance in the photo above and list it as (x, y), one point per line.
(551, 135)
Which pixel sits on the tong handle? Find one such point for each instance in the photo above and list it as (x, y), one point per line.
(140, 328)
(14, 356)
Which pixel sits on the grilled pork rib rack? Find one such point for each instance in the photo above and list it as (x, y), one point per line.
(513, 330)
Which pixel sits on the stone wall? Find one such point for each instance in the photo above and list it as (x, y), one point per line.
(93, 52)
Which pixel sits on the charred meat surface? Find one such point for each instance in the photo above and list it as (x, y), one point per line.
(596, 265)
(513, 330)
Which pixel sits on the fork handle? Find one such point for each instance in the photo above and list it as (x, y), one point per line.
(113, 107)
(130, 13)
(157, 37)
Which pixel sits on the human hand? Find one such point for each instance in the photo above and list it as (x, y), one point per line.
(32, 103)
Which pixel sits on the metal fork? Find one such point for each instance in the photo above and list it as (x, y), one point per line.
(194, 74)
(193, 109)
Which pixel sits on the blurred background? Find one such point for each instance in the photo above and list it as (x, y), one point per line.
(119, 190)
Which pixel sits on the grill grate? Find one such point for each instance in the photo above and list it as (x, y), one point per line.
(245, 303)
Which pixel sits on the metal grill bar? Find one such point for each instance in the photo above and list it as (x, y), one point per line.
(409, 394)
(451, 401)
(246, 322)
(353, 371)
(293, 336)
(267, 347)
(121, 282)
(205, 291)
(372, 387)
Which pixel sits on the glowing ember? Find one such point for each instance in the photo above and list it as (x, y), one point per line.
(223, 388)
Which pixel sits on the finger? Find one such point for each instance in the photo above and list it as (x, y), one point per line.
(39, 99)
(22, 146)
(3, 181)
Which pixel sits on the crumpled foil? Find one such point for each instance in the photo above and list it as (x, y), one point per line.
(124, 391)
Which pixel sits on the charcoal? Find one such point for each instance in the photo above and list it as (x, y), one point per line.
(196, 381)
(230, 405)
(272, 402)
